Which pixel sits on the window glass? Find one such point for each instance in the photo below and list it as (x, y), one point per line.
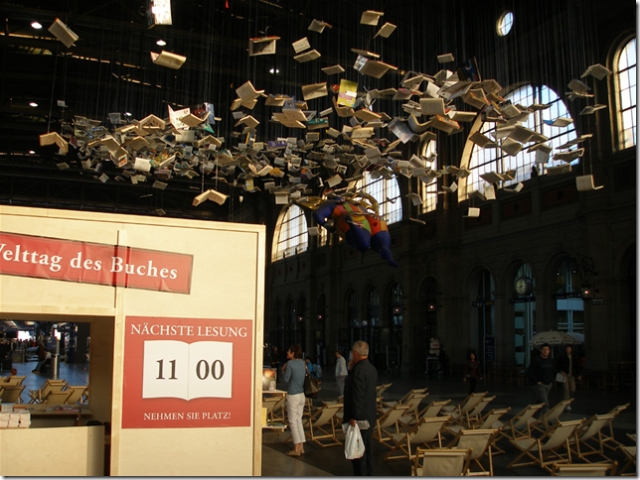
(386, 192)
(626, 95)
(291, 237)
(505, 23)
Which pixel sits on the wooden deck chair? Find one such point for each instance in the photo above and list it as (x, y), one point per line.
(410, 393)
(15, 380)
(584, 470)
(547, 449)
(491, 420)
(77, 392)
(459, 411)
(441, 462)
(337, 418)
(56, 398)
(548, 419)
(12, 393)
(520, 425)
(321, 426)
(587, 438)
(629, 453)
(609, 440)
(36, 396)
(433, 409)
(275, 407)
(480, 441)
(380, 389)
(410, 418)
(472, 416)
(387, 424)
(426, 431)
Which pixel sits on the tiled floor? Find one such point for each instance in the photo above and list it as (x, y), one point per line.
(330, 461)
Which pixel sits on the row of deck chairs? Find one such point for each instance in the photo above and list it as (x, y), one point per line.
(58, 392)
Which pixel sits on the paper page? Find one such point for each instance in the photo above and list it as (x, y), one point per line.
(210, 369)
(165, 369)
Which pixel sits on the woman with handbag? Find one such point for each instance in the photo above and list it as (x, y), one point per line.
(472, 372)
(294, 373)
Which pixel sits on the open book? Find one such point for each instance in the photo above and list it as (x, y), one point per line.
(177, 369)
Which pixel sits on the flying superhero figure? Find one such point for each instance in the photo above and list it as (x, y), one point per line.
(357, 222)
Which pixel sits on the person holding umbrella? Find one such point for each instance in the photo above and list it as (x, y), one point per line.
(569, 367)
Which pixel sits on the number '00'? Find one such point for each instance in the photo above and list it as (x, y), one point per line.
(203, 370)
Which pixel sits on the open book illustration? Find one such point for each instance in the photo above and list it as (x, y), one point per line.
(175, 369)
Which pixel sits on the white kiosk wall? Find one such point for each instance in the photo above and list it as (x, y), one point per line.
(184, 397)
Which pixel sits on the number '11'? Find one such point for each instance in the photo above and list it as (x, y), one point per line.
(161, 367)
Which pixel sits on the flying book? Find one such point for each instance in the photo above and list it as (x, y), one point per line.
(275, 100)
(445, 58)
(432, 106)
(569, 155)
(307, 56)
(482, 140)
(491, 177)
(461, 116)
(63, 33)
(370, 17)
(596, 70)
(472, 212)
(248, 92)
(332, 70)
(365, 53)
(444, 123)
(372, 68)
(347, 93)
(55, 138)
(590, 109)
(584, 183)
(192, 120)
(314, 90)
(385, 31)
(262, 46)
(542, 152)
(559, 122)
(578, 87)
(318, 26)
(168, 59)
(212, 195)
(415, 199)
(179, 378)
(511, 147)
(476, 98)
(415, 125)
(301, 45)
(576, 141)
(559, 170)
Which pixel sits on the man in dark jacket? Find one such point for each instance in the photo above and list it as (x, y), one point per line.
(541, 375)
(360, 402)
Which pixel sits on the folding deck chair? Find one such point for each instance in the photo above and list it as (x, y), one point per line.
(460, 410)
(583, 470)
(433, 409)
(587, 438)
(426, 431)
(387, 424)
(12, 393)
(547, 449)
(548, 419)
(520, 425)
(441, 462)
(629, 453)
(321, 426)
(480, 441)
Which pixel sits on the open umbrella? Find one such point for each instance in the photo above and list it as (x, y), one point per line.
(552, 337)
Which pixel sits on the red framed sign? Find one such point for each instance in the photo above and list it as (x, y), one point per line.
(187, 372)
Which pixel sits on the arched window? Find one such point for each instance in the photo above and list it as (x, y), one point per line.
(625, 88)
(569, 303)
(352, 310)
(429, 189)
(373, 308)
(504, 23)
(386, 192)
(396, 305)
(291, 233)
(494, 159)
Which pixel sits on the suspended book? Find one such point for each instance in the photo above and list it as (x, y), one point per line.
(542, 152)
(460, 116)
(332, 70)
(372, 68)
(590, 109)
(432, 106)
(415, 199)
(301, 45)
(596, 70)
(275, 100)
(318, 26)
(559, 170)
(54, 138)
(584, 183)
(248, 92)
(511, 147)
(569, 156)
(168, 59)
(212, 195)
(314, 90)
(445, 58)
(472, 212)
(63, 33)
(385, 31)
(469, 71)
(559, 122)
(482, 140)
(370, 17)
(444, 123)
(365, 53)
(347, 93)
(576, 141)
(262, 46)
(307, 56)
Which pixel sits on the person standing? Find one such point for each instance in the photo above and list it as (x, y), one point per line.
(341, 371)
(360, 402)
(569, 366)
(293, 373)
(541, 376)
(472, 372)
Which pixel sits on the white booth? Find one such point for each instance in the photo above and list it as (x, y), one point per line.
(175, 309)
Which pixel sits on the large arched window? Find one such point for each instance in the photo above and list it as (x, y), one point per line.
(373, 308)
(386, 192)
(569, 303)
(291, 233)
(625, 88)
(494, 159)
(429, 193)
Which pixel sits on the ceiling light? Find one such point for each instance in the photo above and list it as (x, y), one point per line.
(127, 114)
(32, 152)
(160, 13)
(33, 104)
(36, 25)
(274, 70)
(161, 42)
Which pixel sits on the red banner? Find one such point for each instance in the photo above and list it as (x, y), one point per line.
(187, 372)
(41, 257)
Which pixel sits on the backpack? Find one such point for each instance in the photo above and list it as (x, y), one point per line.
(317, 369)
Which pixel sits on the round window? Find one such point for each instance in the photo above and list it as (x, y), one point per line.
(505, 23)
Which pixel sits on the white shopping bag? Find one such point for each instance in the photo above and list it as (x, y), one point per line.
(353, 444)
